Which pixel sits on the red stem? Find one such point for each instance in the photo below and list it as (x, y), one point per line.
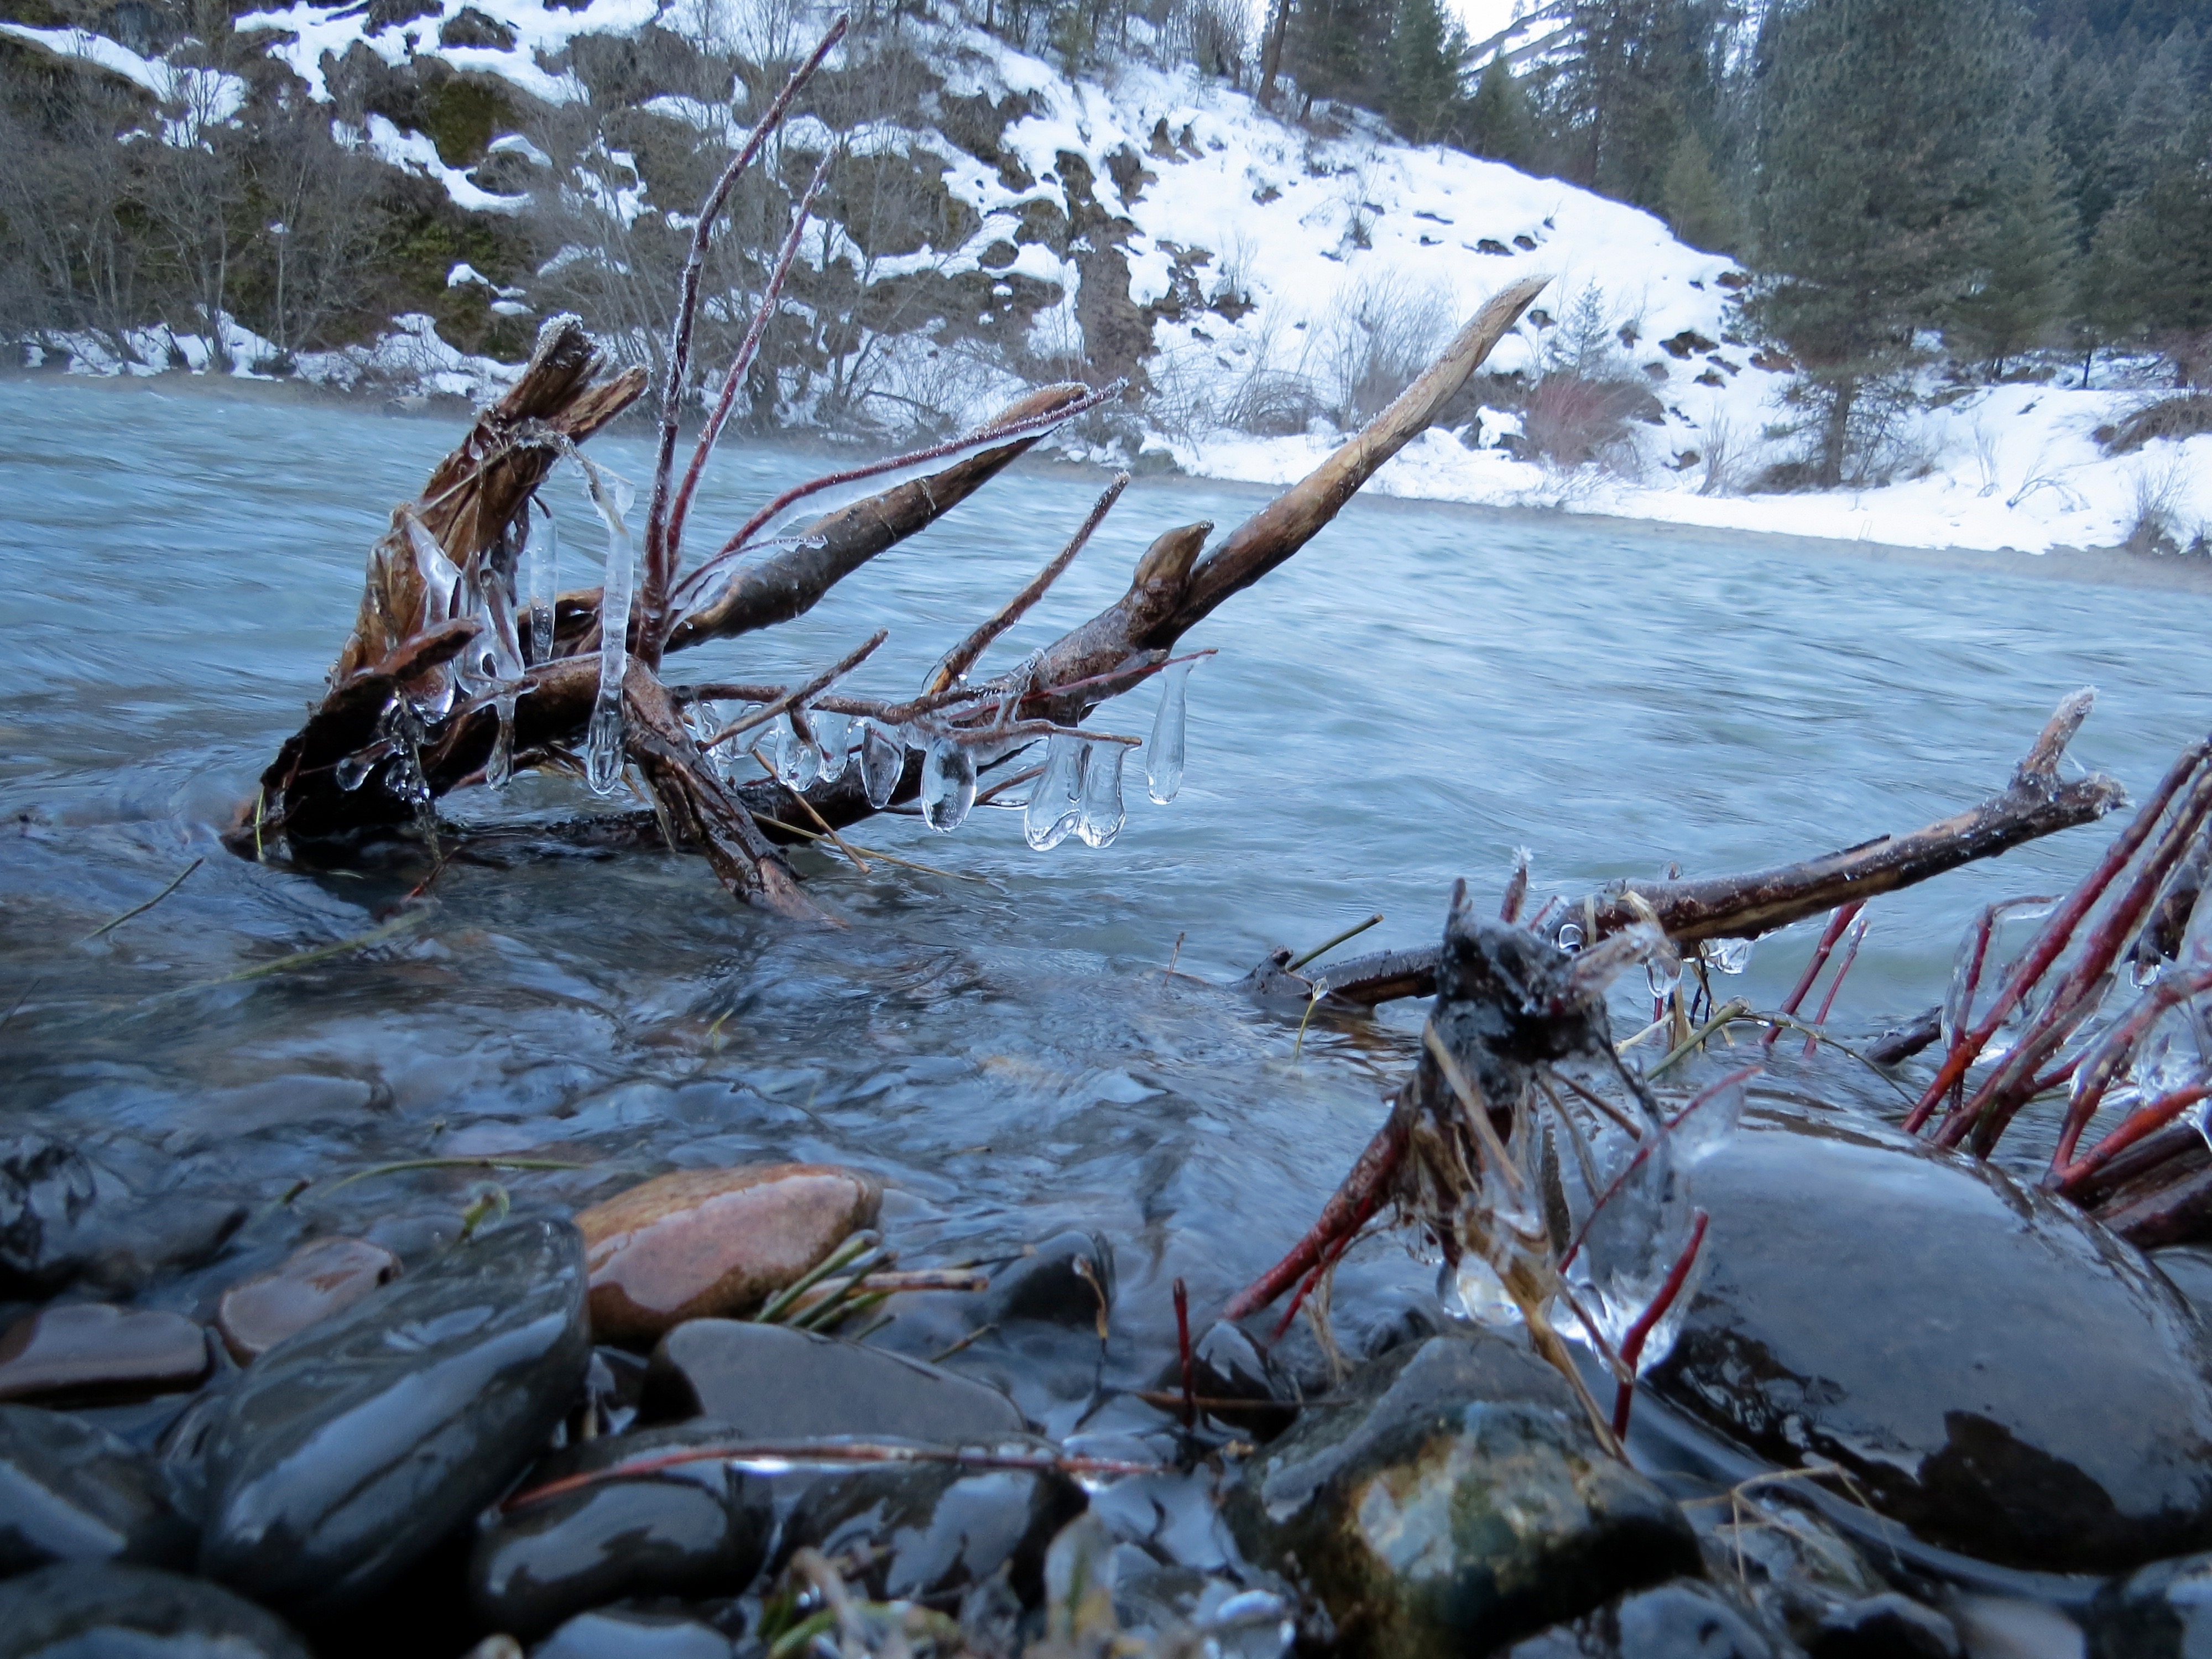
(2101, 1067)
(1346, 1213)
(1632, 1345)
(2130, 1129)
(1842, 968)
(1644, 1150)
(1183, 1344)
(1839, 919)
(1335, 1254)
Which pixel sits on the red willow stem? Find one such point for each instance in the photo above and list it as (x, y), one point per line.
(2130, 1129)
(1182, 1346)
(1842, 968)
(658, 568)
(2045, 948)
(1742, 1073)
(1516, 890)
(1346, 1213)
(2100, 1068)
(1330, 1257)
(747, 349)
(1632, 1345)
(1838, 922)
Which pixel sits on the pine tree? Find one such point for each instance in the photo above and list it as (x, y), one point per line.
(1694, 202)
(2020, 286)
(1497, 123)
(1427, 48)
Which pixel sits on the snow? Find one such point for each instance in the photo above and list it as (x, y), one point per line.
(192, 98)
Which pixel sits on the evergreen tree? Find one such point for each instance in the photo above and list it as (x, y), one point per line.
(1497, 122)
(2021, 287)
(2150, 276)
(1637, 77)
(1882, 133)
(1427, 50)
(1695, 203)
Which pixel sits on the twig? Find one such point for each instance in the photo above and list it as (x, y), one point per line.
(1330, 943)
(404, 1165)
(872, 852)
(2130, 1129)
(1842, 968)
(308, 958)
(1836, 922)
(1174, 956)
(975, 1336)
(1734, 1008)
(827, 677)
(1182, 1347)
(823, 824)
(1631, 1345)
(141, 909)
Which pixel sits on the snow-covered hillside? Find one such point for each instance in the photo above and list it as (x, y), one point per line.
(1277, 275)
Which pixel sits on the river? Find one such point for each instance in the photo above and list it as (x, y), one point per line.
(1422, 690)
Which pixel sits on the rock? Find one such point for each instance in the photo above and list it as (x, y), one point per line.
(79, 1611)
(348, 1452)
(620, 1634)
(1450, 1498)
(771, 1383)
(80, 1352)
(700, 1243)
(2003, 1377)
(323, 1277)
(69, 1492)
(698, 1530)
(1885, 1626)
(2163, 1612)
(46, 1187)
(1682, 1620)
(1066, 1280)
(1227, 1364)
(926, 1532)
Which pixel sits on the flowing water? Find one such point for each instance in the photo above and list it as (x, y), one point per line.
(1422, 690)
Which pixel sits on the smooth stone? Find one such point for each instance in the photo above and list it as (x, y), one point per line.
(2004, 1377)
(1066, 1280)
(1885, 1626)
(1682, 1620)
(697, 1243)
(86, 1350)
(83, 1611)
(348, 1452)
(626, 1634)
(699, 1530)
(1450, 1498)
(2163, 1612)
(69, 1492)
(323, 1277)
(46, 1188)
(771, 1383)
(1227, 1364)
(926, 1532)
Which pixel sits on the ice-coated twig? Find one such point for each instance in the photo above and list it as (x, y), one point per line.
(1836, 922)
(1843, 970)
(2102, 1066)
(1631, 1343)
(797, 695)
(2143, 1122)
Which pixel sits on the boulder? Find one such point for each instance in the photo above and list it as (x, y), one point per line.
(69, 1492)
(1450, 1498)
(344, 1455)
(622, 1633)
(79, 1353)
(1066, 1280)
(2002, 1375)
(1684, 1619)
(323, 1277)
(697, 1243)
(82, 1611)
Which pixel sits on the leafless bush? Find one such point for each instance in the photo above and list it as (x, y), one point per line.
(1212, 35)
(2183, 416)
(1386, 327)
(1588, 397)
(2162, 493)
(1723, 458)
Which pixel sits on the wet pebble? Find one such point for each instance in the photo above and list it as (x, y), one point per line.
(323, 1277)
(700, 1528)
(1884, 1626)
(2163, 1612)
(771, 1383)
(1066, 1280)
(624, 1633)
(64, 1218)
(69, 1492)
(2004, 1377)
(1227, 1364)
(695, 1243)
(346, 1454)
(80, 1352)
(1684, 1619)
(1451, 1497)
(88, 1612)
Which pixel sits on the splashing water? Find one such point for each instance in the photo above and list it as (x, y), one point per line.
(541, 583)
(1057, 800)
(883, 760)
(611, 497)
(948, 785)
(1167, 749)
(1102, 815)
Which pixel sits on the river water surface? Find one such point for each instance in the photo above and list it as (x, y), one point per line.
(1422, 690)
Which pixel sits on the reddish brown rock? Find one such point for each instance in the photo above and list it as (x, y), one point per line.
(90, 1350)
(315, 1281)
(704, 1242)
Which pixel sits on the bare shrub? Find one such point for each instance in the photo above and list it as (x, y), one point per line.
(1588, 397)
(2161, 491)
(1214, 35)
(1386, 327)
(2178, 417)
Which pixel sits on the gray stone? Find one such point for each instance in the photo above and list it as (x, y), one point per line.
(83, 1352)
(1066, 1280)
(81, 1611)
(1682, 1620)
(1450, 1498)
(620, 1633)
(1885, 1626)
(69, 1492)
(2003, 1377)
(348, 1452)
(771, 1383)
(2163, 1612)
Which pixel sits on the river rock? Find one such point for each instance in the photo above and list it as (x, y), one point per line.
(698, 1530)
(771, 1383)
(627, 1633)
(1450, 1498)
(323, 1277)
(2163, 1612)
(1885, 1626)
(1226, 1364)
(1684, 1619)
(926, 1532)
(80, 1352)
(79, 1611)
(1066, 1280)
(69, 1492)
(351, 1450)
(64, 1218)
(2003, 1377)
(699, 1242)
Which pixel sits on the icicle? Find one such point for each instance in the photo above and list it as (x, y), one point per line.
(883, 760)
(1662, 973)
(1165, 753)
(541, 583)
(1727, 955)
(440, 575)
(794, 757)
(353, 771)
(835, 732)
(1056, 801)
(948, 785)
(603, 738)
(503, 657)
(1102, 814)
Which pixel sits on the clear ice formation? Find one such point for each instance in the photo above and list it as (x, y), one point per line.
(1727, 955)
(835, 734)
(610, 498)
(541, 583)
(1102, 814)
(1057, 800)
(793, 757)
(948, 785)
(1165, 751)
(883, 760)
